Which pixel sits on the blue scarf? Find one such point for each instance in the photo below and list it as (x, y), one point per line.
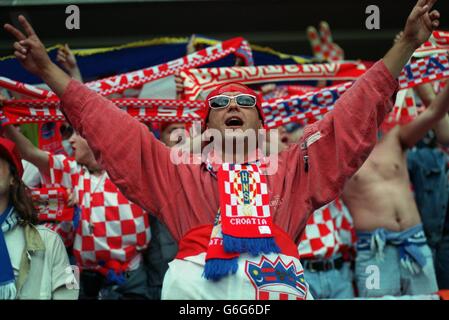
(8, 220)
(408, 242)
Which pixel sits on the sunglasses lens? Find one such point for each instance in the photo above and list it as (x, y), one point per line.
(219, 102)
(246, 101)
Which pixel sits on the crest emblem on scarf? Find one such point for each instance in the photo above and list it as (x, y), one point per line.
(276, 280)
(245, 190)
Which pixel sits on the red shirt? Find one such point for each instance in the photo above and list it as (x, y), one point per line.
(186, 196)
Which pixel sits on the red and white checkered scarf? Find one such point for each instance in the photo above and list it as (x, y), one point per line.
(278, 111)
(243, 223)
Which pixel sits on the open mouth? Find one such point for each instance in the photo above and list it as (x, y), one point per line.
(234, 121)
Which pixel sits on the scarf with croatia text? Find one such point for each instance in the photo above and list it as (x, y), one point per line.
(243, 223)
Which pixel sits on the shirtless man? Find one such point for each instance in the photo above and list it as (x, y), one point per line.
(387, 220)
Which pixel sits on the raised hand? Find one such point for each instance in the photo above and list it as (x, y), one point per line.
(191, 45)
(66, 58)
(323, 46)
(71, 198)
(29, 49)
(420, 23)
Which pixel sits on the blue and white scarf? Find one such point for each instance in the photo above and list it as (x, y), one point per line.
(8, 220)
(408, 243)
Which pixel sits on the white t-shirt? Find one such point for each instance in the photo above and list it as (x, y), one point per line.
(31, 175)
(50, 275)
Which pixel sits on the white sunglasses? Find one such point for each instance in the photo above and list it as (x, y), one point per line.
(242, 100)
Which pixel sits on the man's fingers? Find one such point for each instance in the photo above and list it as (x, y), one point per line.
(19, 55)
(434, 15)
(27, 43)
(26, 26)
(71, 201)
(421, 3)
(191, 44)
(65, 50)
(430, 3)
(419, 9)
(19, 48)
(431, 23)
(14, 32)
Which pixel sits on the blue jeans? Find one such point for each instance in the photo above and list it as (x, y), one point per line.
(331, 284)
(441, 253)
(380, 277)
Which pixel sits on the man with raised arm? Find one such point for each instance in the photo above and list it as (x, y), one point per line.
(390, 234)
(234, 243)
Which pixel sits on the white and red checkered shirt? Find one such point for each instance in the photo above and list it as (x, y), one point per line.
(329, 231)
(111, 228)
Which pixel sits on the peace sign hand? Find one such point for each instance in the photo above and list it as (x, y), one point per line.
(421, 22)
(29, 50)
(323, 47)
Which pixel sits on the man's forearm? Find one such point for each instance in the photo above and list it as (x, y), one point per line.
(26, 149)
(411, 133)
(425, 93)
(397, 57)
(440, 106)
(76, 74)
(442, 130)
(56, 79)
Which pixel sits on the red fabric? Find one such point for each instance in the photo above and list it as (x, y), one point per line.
(444, 294)
(146, 110)
(121, 82)
(49, 138)
(186, 196)
(50, 203)
(196, 241)
(9, 151)
(329, 231)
